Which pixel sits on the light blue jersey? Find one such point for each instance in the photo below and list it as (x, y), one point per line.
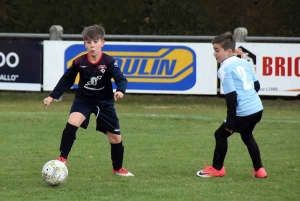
(238, 75)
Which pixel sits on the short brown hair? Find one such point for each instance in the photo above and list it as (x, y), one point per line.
(92, 32)
(226, 41)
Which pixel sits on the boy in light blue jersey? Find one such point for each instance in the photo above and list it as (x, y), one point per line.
(244, 107)
(237, 75)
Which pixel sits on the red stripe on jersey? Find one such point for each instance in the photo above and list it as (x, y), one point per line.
(88, 57)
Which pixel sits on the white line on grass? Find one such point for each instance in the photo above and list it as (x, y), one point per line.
(180, 116)
(175, 116)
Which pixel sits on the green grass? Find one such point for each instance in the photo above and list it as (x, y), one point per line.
(166, 140)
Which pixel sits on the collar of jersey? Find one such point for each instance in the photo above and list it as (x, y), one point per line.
(229, 60)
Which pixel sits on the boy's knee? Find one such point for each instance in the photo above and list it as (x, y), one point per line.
(221, 133)
(114, 138)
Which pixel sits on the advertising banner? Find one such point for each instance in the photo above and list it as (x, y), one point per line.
(169, 68)
(182, 68)
(277, 66)
(20, 65)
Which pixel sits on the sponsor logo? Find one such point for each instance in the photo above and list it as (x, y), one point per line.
(149, 67)
(272, 66)
(281, 66)
(11, 59)
(243, 53)
(8, 78)
(93, 82)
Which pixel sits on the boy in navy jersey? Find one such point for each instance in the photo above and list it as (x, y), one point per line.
(94, 95)
(244, 107)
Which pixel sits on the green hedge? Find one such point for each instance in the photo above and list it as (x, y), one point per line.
(163, 17)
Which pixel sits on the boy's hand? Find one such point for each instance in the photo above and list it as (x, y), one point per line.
(48, 101)
(118, 94)
(230, 131)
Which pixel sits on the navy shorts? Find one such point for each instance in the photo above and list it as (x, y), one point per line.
(106, 116)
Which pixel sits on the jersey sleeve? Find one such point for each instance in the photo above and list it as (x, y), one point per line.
(253, 74)
(117, 75)
(231, 98)
(227, 82)
(66, 81)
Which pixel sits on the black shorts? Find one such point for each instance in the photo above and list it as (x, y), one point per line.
(246, 124)
(106, 116)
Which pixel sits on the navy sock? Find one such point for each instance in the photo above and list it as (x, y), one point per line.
(67, 139)
(117, 154)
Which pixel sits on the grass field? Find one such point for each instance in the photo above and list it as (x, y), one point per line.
(166, 138)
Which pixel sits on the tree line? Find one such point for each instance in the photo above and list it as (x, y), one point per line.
(153, 17)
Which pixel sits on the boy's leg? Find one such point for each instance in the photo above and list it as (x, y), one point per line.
(221, 135)
(253, 150)
(79, 116)
(217, 169)
(108, 123)
(249, 141)
(117, 154)
(69, 133)
(117, 150)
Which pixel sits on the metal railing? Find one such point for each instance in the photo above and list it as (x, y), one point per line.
(271, 39)
(24, 35)
(118, 37)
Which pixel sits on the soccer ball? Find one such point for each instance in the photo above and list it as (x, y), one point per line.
(55, 172)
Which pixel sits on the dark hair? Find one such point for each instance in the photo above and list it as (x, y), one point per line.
(93, 32)
(226, 41)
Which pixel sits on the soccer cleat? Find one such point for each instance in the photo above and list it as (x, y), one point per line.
(62, 159)
(122, 172)
(210, 171)
(261, 173)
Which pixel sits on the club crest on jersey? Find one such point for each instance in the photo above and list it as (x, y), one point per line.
(102, 68)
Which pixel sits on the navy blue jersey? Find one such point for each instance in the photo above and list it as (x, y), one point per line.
(95, 82)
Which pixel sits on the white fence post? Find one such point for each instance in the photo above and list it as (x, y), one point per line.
(240, 33)
(55, 32)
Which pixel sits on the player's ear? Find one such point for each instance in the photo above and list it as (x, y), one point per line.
(229, 52)
(102, 42)
(84, 43)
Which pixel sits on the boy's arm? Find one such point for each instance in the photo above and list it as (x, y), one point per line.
(231, 100)
(255, 80)
(66, 82)
(256, 86)
(119, 78)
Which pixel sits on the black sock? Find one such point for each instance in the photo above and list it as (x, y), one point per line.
(221, 147)
(67, 140)
(219, 155)
(253, 150)
(117, 153)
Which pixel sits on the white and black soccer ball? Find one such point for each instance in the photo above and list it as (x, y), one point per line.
(55, 172)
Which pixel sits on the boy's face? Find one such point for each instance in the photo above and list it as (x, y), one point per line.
(94, 46)
(221, 54)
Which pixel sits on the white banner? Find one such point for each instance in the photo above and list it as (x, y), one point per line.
(277, 66)
(157, 68)
(181, 68)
